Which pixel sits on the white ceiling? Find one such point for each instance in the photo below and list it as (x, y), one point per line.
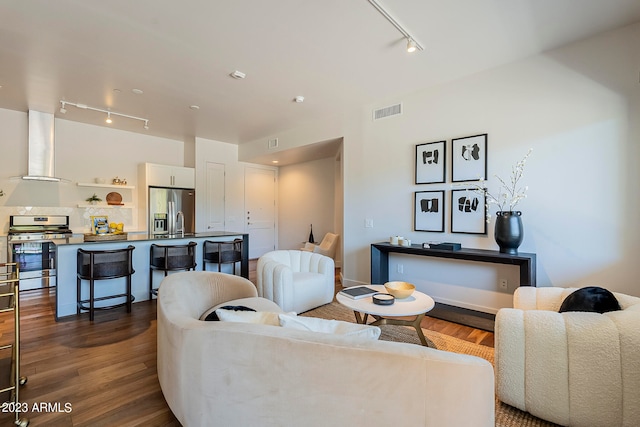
(338, 54)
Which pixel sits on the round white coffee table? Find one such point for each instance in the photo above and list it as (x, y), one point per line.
(418, 304)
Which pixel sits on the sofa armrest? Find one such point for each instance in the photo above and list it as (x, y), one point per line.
(550, 363)
(547, 298)
(276, 282)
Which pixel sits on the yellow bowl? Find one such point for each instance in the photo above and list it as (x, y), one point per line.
(400, 290)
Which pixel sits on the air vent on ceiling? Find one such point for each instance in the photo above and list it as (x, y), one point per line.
(273, 143)
(391, 110)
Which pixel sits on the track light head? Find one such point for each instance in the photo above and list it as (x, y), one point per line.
(146, 125)
(109, 118)
(62, 109)
(411, 46)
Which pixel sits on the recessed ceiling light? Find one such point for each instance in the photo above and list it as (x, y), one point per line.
(117, 91)
(137, 91)
(194, 107)
(238, 75)
(299, 98)
(274, 161)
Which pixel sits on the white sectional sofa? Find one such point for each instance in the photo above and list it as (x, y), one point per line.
(241, 374)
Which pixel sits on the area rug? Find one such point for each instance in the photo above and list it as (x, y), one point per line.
(506, 416)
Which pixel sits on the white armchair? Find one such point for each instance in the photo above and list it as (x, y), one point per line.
(572, 368)
(296, 280)
(327, 247)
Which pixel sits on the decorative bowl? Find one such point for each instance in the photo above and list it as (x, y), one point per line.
(114, 198)
(400, 290)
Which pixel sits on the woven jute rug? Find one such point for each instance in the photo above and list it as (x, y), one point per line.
(506, 416)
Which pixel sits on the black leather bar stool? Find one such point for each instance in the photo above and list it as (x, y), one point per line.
(103, 265)
(222, 253)
(170, 258)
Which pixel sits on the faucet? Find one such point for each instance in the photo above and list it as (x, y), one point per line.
(180, 219)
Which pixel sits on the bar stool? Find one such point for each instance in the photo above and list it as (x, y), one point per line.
(170, 258)
(222, 253)
(103, 265)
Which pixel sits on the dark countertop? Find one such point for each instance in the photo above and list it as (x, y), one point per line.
(78, 239)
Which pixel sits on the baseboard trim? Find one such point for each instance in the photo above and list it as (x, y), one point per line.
(463, 316)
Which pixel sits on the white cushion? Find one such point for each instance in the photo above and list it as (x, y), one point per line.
(256, 303)
(262, 317)
(314, 324)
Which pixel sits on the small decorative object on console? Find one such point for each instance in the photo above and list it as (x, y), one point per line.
(447, 246)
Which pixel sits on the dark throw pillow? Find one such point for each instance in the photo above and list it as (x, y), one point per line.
(214, 317)
(591, 298)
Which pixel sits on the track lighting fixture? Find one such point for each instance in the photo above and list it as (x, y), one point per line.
(412, 44)
(109, 113)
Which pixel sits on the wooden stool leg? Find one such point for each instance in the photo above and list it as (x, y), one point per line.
(129, 294)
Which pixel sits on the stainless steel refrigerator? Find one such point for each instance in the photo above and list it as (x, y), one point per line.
(165, 205)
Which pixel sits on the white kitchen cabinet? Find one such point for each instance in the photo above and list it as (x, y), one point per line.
(170, 176)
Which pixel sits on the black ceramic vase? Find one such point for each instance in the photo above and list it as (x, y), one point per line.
(508, 231)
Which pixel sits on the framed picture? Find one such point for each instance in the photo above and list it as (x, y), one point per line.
(469, 158)
(429, 211)
(99, 224)
(431, 158)
(468, 212)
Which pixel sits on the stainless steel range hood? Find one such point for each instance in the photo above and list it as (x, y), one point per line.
(41, 148)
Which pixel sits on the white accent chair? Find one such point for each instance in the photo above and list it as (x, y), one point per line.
(572, 368)
(327, 247)
(296, 280)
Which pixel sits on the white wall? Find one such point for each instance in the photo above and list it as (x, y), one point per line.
(305, 196)
(227, 154)
(83, 152)
(577, 107)
(581, 214)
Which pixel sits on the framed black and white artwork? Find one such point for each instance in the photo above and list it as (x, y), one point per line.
(468, 212)
(430, 162)
(469, 158)
(429, 211)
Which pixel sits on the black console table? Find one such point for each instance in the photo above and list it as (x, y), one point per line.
(526, 261)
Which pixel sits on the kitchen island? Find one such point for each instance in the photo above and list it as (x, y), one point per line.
(66, 263)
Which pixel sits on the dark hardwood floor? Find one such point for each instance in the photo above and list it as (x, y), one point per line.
(106, 369)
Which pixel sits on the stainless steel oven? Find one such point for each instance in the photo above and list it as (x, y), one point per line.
(30, 244)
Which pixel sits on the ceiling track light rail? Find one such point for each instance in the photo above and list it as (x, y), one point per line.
(412, 43)
(109, 113)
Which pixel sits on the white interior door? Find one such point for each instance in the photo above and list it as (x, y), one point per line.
(260, 205)
(215, 197)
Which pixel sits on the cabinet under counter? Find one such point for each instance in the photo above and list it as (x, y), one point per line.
(66, 263)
